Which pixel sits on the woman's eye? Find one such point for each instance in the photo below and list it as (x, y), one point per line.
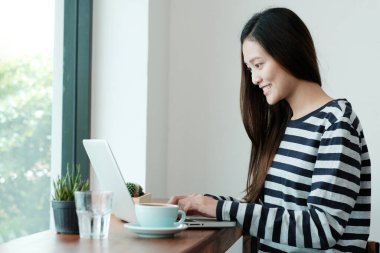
(258, 65)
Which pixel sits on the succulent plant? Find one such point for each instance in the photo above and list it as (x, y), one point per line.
(135, 190)
(64, 187)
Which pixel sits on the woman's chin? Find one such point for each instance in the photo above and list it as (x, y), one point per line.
(271, 100)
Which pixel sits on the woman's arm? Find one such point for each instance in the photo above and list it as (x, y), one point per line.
(199, 204)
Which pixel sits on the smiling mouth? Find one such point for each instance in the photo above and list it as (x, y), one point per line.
(268, 85)
(266, 88)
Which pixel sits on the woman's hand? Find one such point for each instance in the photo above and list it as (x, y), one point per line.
(196, 204)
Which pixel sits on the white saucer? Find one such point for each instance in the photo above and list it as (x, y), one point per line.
(154, 232)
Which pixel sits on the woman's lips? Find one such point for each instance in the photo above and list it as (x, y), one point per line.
(266, 89)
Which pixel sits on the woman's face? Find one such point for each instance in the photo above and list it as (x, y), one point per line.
(275, 82)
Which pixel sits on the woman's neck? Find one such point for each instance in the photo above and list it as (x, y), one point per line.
(307, 98)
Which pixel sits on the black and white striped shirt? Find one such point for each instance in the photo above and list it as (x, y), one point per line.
(317, 194)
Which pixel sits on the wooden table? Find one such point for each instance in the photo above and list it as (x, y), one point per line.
(122, 240)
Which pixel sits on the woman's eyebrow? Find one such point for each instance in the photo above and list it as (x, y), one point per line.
(254, 59)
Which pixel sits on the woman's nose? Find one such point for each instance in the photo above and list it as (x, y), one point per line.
(256, 79)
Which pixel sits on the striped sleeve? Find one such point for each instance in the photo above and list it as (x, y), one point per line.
(217, 197)
(334, 190)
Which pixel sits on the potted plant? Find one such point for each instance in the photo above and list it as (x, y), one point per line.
(63, 202)
(137, 193)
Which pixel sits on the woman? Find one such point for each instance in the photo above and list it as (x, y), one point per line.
(308, 186)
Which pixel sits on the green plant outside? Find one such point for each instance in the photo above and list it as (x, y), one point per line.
(25, 141)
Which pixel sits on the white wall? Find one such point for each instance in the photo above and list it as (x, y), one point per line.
(131, 117)
(119, 82)
(166, 80)
(157, 121)
(56, 127)
(207, 145)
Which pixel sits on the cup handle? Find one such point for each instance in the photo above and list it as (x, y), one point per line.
(183, 217)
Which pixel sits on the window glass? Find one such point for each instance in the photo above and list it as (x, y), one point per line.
(26, 64)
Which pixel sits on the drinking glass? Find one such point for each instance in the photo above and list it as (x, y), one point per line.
(94, 212)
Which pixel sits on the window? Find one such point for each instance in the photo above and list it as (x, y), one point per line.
(26, 66)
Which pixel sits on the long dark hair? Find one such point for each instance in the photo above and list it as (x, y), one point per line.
(286, 38)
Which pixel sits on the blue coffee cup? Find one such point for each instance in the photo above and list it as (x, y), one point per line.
(158, 215)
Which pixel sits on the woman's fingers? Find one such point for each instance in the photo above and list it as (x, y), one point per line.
(186, 204)
(174, 199)
(195, 204)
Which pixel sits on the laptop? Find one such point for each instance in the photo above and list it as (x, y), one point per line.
(110, 178)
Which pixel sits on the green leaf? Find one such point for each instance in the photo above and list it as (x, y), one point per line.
(64, 187)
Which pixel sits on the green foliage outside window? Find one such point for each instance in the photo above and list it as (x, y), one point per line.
(25, 140)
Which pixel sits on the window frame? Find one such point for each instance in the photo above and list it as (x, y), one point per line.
(76, 94)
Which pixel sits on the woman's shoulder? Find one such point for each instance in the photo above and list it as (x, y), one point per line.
(339, 111)
(333, 112)
(340, 107)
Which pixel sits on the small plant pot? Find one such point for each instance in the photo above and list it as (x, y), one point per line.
(146, 198)
(65, 217)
